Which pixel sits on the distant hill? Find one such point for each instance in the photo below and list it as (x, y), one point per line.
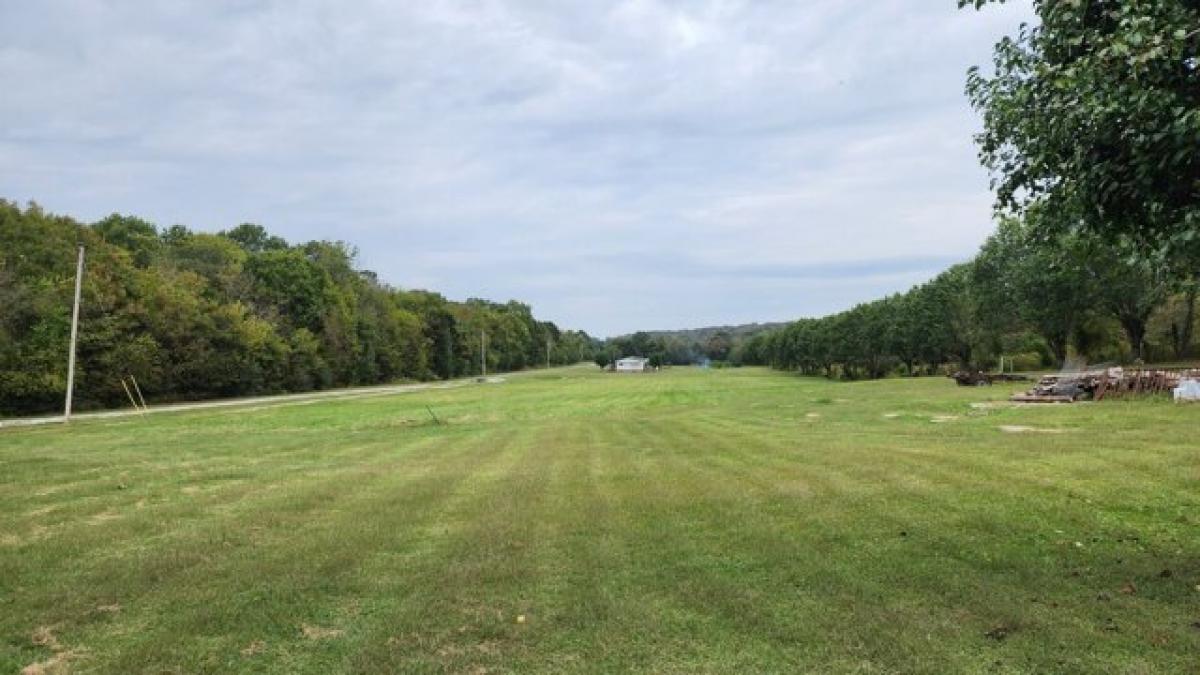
(701, 335)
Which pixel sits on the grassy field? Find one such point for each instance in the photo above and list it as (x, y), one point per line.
(690, 521)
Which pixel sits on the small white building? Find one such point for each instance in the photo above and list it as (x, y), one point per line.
(632, 364)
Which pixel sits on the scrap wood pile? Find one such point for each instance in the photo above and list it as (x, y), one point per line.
(1107, 383)
(1157, 381)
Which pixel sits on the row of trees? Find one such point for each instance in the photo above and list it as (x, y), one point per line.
(1024, 296)
(195, 315)
(1091, 131)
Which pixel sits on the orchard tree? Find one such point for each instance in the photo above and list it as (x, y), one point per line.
(953, 307)
(1130, 287)
(1095, 111)
(1042, 283)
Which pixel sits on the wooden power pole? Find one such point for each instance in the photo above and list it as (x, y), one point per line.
(74, 337)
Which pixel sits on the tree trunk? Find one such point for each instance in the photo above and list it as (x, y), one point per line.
(1058, 347)
(1181, 335)
(1135, 330)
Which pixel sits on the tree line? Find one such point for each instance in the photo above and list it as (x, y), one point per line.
(197, 315)
(673, 348)
(1033, 300)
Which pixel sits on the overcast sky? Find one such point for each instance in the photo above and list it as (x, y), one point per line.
(620, 166)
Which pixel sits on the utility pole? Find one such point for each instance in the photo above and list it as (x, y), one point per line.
(483, 352)
(547, 352)
(74, 336)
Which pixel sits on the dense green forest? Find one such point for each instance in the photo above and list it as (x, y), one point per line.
(195, 315)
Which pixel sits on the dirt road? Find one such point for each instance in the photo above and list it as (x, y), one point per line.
(254, 403)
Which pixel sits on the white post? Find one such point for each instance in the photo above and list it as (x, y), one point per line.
(74, 336)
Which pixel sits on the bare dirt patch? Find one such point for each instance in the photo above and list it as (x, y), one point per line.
(59, 664)
(1019, 429)
(942, 419)
(992, 405)
(319, 633)
(44, 636)
(489, 647)
(256, 647)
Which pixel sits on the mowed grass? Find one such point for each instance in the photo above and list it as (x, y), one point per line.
(571, 521)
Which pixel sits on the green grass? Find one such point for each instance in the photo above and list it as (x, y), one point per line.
(687, 521)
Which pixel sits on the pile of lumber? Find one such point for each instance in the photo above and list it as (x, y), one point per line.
(1144, 381)
(1106, 383)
